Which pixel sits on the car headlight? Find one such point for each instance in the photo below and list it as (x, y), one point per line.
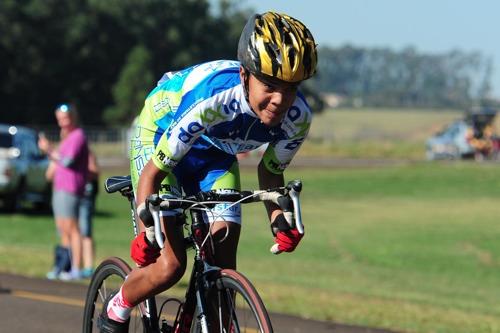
(14, 152)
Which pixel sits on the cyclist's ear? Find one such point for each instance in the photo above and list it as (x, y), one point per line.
(243, 74)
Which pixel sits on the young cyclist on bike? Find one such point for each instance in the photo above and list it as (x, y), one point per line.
(188, 134)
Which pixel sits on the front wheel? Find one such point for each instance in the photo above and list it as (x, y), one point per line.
(107, 279)
(233, 305)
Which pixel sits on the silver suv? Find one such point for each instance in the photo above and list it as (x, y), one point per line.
(451, 143)
(22, 169)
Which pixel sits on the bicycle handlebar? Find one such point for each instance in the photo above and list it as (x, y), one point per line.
(280, 196)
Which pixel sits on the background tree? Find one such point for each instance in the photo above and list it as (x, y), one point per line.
(74, 50)
(81, 51)
(135, 81)
(383, 77)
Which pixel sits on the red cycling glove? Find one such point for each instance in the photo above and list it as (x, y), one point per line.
(286, 241)
(142, 251)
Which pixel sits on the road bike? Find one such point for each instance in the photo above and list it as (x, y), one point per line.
(216, 299)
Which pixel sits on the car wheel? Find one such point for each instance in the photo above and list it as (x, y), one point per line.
(10, 203)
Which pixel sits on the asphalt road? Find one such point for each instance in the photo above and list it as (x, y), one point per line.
(39, 305)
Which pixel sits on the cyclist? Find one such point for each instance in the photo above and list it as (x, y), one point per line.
(188, 134)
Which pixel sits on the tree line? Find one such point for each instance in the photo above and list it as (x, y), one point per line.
(105, 56)
(406, 78)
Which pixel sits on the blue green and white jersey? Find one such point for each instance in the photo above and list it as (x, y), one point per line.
(204, 106)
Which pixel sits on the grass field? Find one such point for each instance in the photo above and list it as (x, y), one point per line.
(375, 133)
(412, 248)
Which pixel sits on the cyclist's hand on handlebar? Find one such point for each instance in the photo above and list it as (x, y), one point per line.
(286, 238)
(142, 251)
(286, 241)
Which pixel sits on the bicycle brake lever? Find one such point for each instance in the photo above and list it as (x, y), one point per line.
(294, 195)
(294, 185)
(153, 204)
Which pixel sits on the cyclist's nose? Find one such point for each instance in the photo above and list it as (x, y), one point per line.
(282, 99)
(278, 98)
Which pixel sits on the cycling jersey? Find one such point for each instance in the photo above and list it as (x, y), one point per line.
(195, 122)
(204, 106)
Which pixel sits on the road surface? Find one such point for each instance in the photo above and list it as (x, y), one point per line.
(39, 305)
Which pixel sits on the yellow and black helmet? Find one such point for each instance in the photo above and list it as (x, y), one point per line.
(279, 46)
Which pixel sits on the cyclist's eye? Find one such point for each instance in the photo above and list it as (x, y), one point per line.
(269, 87)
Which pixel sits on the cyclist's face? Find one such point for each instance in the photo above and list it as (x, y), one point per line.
(270, 99)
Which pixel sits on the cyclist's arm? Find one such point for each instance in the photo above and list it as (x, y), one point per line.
(267, 180)
(149, 183)
(280, 153)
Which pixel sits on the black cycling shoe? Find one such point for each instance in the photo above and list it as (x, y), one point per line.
(107, 325)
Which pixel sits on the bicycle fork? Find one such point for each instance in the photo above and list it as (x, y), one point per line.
(196, 303)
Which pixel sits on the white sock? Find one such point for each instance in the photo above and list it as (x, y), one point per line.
(119, 308)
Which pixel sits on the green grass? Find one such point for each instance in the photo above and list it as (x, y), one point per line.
(412, 247)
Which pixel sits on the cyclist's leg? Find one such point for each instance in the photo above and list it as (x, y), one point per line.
(148, 281)
(227, 225)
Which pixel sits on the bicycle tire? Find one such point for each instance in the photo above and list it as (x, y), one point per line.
(108, 278)
(244, 307)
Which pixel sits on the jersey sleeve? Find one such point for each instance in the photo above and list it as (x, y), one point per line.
(280, 153)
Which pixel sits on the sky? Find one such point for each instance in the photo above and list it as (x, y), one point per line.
(430, 26)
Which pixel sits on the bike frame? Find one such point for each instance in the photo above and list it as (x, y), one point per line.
(194, 294)
(203, 260)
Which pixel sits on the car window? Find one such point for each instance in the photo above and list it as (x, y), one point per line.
(5, 140)
(31, 146)
(27, 144)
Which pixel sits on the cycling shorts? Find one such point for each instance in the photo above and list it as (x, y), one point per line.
(201, 169)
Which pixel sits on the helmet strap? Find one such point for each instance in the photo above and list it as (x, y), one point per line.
(246, 84)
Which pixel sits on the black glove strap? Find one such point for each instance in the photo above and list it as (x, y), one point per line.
(146, 217)
(279, 224)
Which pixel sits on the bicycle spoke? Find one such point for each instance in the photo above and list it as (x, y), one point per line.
(231, 309)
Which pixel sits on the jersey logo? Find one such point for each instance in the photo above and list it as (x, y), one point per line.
(277, 166)
(233, 106)
(209, 116)
(164, 103)
(294, 144)
(186, 135)
(301, 128)
(166, 160)
(293, 113)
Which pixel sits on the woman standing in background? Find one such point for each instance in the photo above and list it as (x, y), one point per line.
(70, 169)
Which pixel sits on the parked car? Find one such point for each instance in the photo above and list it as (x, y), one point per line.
(22, 169)
(451, 143)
